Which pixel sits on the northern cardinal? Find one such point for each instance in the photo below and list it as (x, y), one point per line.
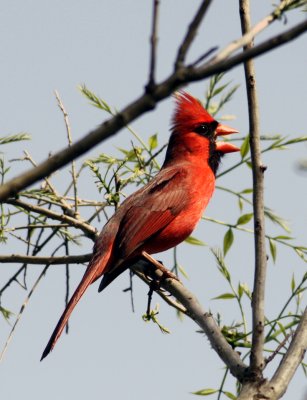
(164, 212)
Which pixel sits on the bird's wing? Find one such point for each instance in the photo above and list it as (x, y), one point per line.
(152, 210)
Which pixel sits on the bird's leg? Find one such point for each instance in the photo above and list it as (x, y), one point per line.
(166, 273)
(150, 293)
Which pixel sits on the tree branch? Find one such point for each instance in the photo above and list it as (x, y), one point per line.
(140, 106)
(249, 35)
(292, 359)
(203, 318)
(153, 45)
(277, 386)
(21, 258)
(191, 33)
(77, 223)
(257, 361)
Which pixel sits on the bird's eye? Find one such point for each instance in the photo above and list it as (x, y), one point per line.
(202, 129)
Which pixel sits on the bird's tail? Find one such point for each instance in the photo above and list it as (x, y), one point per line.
(93, 272)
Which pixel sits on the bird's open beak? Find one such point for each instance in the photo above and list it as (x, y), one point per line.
(222, 130)
(225, 147)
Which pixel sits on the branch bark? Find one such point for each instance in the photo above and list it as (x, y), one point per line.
(191, 33)
(257, 360)
(291, 360)
(89, 230)
(277, 386)
(198, 314)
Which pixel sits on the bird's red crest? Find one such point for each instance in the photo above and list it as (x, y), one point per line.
(189, 113)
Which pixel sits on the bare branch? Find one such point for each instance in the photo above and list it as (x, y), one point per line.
(274, 389)
(257, 361)
(61, 200)
(292, 359)
(77, 223)
(249, 34)
(153, 45)
(140, 106)
(20, 258)
(203, 318)
(191, 33)
(69, 137)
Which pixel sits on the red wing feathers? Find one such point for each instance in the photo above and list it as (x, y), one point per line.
(155, 209)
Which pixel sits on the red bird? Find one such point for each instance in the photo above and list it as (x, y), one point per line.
(164, 212)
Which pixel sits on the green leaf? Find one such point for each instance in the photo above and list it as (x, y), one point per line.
(283, 237)
(244, 219)
(219, 90)
(276, 219)
(153, 142)
(95, 100)
(15, 138)
(240, 204)
(296, 140)
(221, 264)
(245, 147)
(196, 242)
(224, 296)
(205, 392)
(228, 240)
(230, 395)
(273, 249)
(246, 289)
(293, 283)
(6, 313)
(183, 271)
(247, 191)
(240, 290)
(282, 328)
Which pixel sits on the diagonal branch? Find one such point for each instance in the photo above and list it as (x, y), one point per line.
(76, 223)
(191, 33)
(292, 359)
(257, 361)
(203, 318)
(249, 35)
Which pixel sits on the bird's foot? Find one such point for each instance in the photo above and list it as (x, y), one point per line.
(166, 272)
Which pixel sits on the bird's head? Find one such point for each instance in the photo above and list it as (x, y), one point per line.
(192, 121)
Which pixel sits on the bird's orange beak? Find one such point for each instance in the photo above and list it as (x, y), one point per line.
(225, 147)
(222, 130)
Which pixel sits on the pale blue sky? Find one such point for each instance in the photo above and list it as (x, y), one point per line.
(110, 352)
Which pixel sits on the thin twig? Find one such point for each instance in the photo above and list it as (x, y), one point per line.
(69, 137)
(277, 350)
(153, 45)
(257, 360)
(191, 33)
(67, 278)
(20, 258)
(249, 35)
(77, 223)
(25, 303)
(64, 204)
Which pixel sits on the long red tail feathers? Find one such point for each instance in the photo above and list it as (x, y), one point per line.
(93, 272)
(66, 314)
